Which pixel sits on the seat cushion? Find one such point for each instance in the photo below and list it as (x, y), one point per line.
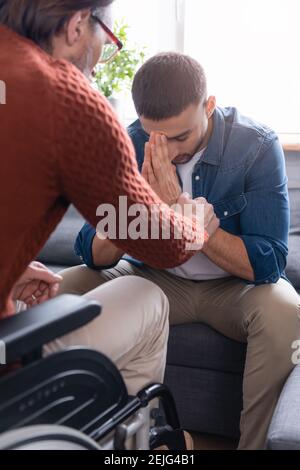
(205, 374)
(59, 250)
(284, 431)
(199, 346)
(293, 263)
(207, 401)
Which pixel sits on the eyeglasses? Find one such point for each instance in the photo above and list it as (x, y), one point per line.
(110, 50)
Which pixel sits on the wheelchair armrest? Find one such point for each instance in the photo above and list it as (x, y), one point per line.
(29, 330)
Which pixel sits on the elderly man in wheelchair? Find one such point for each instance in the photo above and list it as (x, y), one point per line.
(70, 148)
(55, 394)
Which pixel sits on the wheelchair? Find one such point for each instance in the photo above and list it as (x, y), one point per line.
(76, 398)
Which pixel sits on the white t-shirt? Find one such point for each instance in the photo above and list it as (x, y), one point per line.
(199, 267)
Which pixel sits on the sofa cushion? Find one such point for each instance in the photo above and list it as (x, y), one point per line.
(207, 401)
(59, 250)
(294, 196)
(284, 431)
(199, 346)
(293, 172)
(293, 263)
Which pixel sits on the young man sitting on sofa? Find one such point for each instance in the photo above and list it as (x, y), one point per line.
(237, 285)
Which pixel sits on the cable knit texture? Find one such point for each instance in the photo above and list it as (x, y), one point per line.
(61, 143)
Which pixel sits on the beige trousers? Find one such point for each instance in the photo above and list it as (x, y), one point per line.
(132, 329)
(266, 317)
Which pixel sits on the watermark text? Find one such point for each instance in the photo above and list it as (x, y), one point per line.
(141, 222)
(2, 353)
(2, 92)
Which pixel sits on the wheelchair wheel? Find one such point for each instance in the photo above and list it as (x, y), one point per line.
(46, 437)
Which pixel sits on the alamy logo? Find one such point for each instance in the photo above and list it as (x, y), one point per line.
(136, 222)
(2, 92)
(296, 353)
(2, 353)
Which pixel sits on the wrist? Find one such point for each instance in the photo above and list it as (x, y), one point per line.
(209, 241)
(15, 292)
(205, 245)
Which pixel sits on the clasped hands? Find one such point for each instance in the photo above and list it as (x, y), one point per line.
(159, 171)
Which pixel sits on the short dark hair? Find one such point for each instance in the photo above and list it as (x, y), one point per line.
(40, 20)
(167, 84)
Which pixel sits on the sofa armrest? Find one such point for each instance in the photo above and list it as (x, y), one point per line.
(27, 331)
(284, 431)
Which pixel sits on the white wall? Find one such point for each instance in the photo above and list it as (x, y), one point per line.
(250, 50)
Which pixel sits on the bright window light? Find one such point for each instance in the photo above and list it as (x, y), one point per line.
(250, 51)
(153, 24)
(142, 18)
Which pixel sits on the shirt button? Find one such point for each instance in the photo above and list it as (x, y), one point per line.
(197, 178)
(225, 214)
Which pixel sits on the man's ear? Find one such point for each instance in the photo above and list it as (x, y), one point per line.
(211, 106)
(76, 26)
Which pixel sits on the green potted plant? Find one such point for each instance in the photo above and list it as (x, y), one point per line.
(115, 78)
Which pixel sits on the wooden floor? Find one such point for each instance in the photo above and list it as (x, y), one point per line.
(209, 442)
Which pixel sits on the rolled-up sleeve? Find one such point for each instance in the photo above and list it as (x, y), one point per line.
(266, 218)
(84, 244)
(84, 248)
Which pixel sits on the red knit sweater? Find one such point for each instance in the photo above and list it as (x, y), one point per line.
(61, 143)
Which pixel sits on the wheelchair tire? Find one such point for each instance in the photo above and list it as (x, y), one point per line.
(46, 437)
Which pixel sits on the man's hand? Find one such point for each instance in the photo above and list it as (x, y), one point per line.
(158, 170)
(36, 285)
(211, 222)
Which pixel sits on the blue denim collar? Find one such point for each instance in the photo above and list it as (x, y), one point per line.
(214, 151)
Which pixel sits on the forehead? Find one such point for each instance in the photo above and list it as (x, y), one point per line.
(186, 121)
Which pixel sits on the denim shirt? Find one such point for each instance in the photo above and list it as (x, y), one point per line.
(242, 173)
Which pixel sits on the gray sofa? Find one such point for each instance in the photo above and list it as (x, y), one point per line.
(204, 368)
(284, 431)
